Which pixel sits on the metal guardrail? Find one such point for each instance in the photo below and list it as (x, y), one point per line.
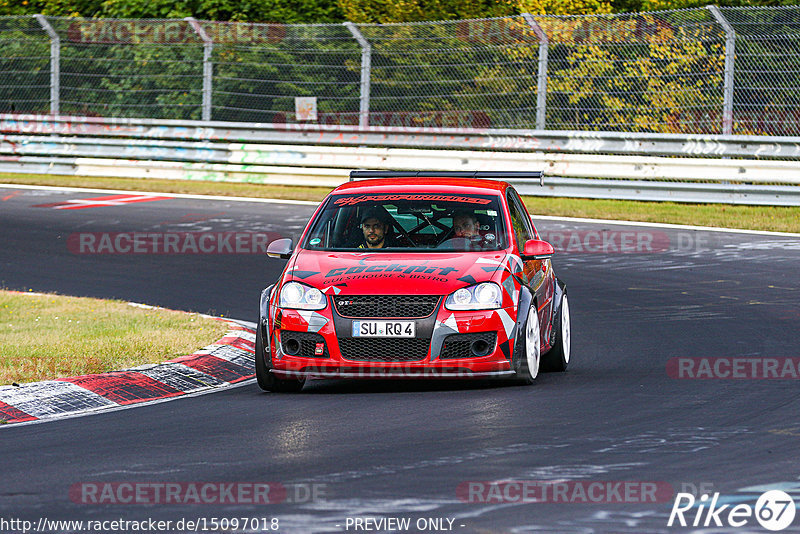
(691, 145)
(241, 157)
(331, 177)
(599, 165)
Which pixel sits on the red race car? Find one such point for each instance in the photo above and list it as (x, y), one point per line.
(414, 275)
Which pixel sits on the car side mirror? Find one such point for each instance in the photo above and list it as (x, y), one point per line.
(280, 248)
(537, 250)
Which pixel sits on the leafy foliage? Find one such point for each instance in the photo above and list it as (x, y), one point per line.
(24, 66)
(358, 11)
(284, 11)
(657, 71)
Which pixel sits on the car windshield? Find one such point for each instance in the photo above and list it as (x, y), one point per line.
(410, 222)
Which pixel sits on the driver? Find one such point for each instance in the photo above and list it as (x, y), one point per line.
(374, 226)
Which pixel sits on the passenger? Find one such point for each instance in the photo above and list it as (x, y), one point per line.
(465, 224)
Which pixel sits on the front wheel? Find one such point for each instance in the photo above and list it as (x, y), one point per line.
(557, 359)
(268, 381)
(529, 348)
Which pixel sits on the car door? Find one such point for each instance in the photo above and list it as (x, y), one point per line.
(536, 274)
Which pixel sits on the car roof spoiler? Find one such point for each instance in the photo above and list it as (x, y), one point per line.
(486, 175)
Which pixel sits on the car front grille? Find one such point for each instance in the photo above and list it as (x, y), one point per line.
(302, 344)
(384, 349)
(383, 306)
(459, 345)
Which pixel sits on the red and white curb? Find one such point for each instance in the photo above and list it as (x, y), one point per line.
(228, 361)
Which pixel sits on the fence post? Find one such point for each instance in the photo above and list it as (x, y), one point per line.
(208, 67)
(730, 55)
(55, 64)
(541, 83)
(366, 69)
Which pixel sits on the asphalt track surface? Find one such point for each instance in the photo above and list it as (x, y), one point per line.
(402, 449)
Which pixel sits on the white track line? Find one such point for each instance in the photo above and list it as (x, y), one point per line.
(663, 225)
(171, 195)
(312, 203)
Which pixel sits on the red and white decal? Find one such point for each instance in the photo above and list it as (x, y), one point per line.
(100, 202)
(228, 361)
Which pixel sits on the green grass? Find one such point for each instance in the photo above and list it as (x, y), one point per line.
(779, 219)
(173, 186)
(51, 336)
(771, 218)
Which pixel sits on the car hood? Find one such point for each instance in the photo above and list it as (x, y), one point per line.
(391, 273)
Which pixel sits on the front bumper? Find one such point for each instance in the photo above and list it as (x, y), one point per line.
(388, 373)
(448, 344)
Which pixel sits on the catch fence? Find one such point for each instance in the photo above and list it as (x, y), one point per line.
(715, 70)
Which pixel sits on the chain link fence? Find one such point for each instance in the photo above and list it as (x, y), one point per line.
(705, 71)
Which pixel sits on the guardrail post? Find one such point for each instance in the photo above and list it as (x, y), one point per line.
(730, 55)
(208, 67)
(55, 64)
(366, 69)
(541, 83)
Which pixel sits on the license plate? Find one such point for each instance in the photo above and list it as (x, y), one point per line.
(384, 329)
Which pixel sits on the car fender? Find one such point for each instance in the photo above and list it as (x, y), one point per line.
(263, 318)
(523, 308)
(264, 304)
(558, 295)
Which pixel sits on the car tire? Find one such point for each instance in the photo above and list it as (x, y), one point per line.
(266, 380)
(529, 348)
(557, 359)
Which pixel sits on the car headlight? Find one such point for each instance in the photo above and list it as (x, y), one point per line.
(301, 297)
(485, 296)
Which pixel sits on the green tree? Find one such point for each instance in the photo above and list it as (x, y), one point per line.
(24, 66)
(653, 72)
(388, 11)
(284, 11)
(563, 7)
(56, 8)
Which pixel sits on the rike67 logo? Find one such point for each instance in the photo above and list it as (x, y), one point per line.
(774, 510)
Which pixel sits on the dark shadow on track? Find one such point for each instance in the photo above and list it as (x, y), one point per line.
(385, 385)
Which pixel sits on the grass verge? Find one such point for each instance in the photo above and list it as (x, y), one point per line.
(189, 187)
(51, 336)
(770, 218)
(776, 219)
